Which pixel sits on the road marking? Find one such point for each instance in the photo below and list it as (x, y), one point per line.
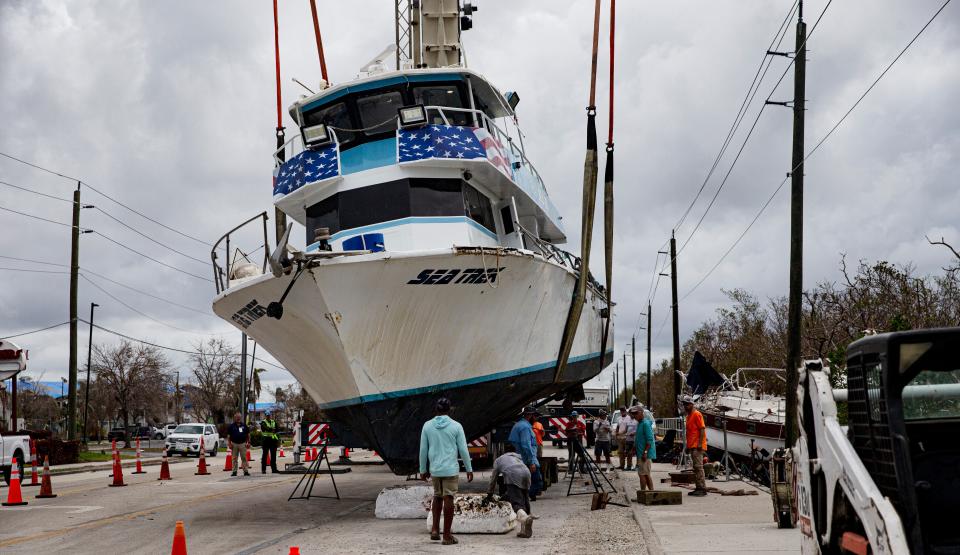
(76, 509)
(130, 516)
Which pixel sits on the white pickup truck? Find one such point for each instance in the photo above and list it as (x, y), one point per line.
(13, 360)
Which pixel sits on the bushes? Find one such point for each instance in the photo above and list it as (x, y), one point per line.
(256, 438)
(59, 451)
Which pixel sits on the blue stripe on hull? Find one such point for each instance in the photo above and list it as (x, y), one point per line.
(453, 385)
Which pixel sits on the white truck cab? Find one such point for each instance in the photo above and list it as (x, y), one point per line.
(13, 360)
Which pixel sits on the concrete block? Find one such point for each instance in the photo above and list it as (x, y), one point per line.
(404, 502)
(471, 517)
(682, 477)
(659, 497)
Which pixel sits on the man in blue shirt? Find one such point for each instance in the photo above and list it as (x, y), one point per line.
(525, 443)
(646, 447)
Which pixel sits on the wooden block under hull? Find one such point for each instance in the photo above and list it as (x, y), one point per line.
(658, 497)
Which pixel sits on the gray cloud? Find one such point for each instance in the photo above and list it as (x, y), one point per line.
(170, 108)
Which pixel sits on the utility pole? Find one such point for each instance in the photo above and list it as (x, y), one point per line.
(243, 377)
(676, 320)
(86, 392)
(616, 383)
(74, 276)
(633, 363)
(796, 230)
(649, 405)
(626, 388)
(176, 399)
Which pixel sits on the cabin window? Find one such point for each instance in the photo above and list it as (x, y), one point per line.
(447, 96)
(478, 208)
(506, 215)
(398, 199)
(436, 197)
(337, 117)
(378, 112)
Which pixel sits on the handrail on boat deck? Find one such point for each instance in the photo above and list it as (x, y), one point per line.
(499, 133)
(218, 272)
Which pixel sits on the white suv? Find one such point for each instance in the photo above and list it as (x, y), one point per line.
(185, 440)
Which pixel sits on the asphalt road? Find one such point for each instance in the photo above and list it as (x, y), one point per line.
(250, 515)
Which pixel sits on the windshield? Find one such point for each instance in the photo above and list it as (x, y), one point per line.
(932, 394)
(189, 429)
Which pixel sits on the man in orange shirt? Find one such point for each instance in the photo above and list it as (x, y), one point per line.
(538, 432)
(696, 444)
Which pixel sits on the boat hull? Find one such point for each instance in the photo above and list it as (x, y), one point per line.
(375, 339)
(742, 434)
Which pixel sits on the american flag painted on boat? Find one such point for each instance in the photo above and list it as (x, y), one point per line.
(306, 167)
(316, 433)
(494, 150)
(438, 141)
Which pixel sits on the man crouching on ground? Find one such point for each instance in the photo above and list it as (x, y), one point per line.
(441, 441)
(515, 488)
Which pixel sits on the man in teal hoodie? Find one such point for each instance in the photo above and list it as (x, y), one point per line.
(441, 441)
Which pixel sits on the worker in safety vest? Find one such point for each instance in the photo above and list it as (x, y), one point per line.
(270, 441)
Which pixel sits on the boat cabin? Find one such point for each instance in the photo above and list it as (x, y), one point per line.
(412, 160)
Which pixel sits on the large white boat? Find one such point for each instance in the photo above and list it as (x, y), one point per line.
(754, 417)
(430, 268)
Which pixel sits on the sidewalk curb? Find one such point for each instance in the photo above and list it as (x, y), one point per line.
(649, 534)
(131, 463)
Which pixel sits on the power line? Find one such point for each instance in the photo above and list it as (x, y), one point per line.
(877, 80)
(134, 289)
(750, 132)
(157, 345)
(95, 190)
(747, 99)
(82, 230)
(35, 261)
(21, 334)
(144, 235)
(108, 238)
(35, 271)
(814, 149)
(148, 257)
(36, 192)
(141, 313)
(144, 216)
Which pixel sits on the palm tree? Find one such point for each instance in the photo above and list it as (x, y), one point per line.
(255, 382)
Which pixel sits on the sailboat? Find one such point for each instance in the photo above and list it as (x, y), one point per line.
(431, 267)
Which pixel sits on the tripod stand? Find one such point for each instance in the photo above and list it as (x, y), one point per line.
(727, 461)
(581, 462)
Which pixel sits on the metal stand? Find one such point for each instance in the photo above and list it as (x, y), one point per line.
(310, 478)
(582, 460)
(727, 461)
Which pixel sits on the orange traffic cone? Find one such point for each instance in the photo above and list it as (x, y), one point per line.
(139, 469)
(46, 488)
(314, 453)
(33, 470)
(14, 496)
(281, 455)
(117, 473)
(202, 463)
(294, 550)
(116, 457)
(228, 464)
(179, 540)
(164, 469)
(249, 456)
(307, 457)
(267, 462)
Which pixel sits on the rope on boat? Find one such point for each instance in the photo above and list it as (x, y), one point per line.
(590, 171)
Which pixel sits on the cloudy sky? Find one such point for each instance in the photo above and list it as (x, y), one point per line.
(169, 107)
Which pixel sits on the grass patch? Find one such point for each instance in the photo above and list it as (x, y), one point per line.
(96, 456)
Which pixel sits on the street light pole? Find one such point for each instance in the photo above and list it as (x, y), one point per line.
(86, 393)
